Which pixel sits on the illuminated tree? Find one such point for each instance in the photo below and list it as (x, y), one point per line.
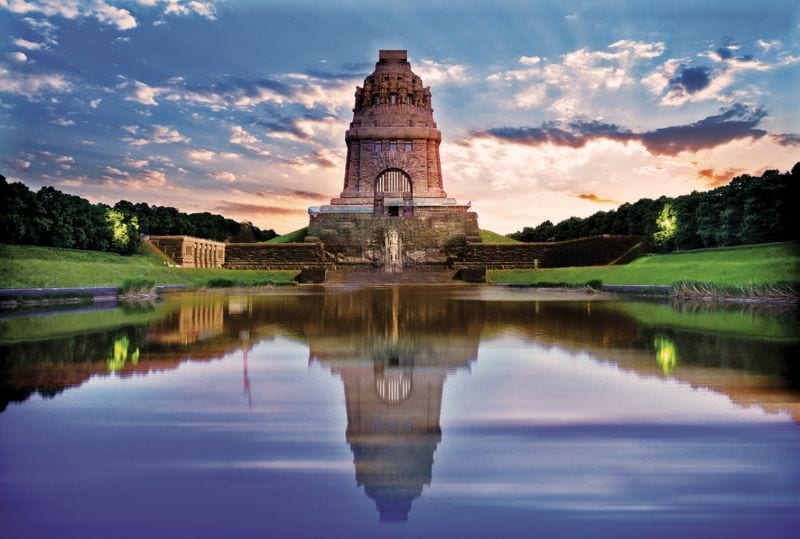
(665, 226)
(124, 231)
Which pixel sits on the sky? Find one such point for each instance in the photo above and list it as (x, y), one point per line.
(547, 109)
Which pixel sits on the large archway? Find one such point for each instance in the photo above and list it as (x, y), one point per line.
(393, 193)
(393, 182)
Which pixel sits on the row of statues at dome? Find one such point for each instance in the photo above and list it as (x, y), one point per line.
(393, 90)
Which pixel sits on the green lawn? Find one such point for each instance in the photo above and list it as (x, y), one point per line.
(292, 237)
(488, 236)
(757, 264)
(26, 266)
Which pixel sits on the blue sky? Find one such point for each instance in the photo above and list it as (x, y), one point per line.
(548, 109)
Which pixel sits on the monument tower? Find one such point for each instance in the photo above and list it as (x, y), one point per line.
(393, 211)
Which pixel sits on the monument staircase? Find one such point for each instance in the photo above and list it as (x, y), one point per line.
(379, 276)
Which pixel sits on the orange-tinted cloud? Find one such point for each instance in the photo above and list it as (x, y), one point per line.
(242, 208)
(591, 197)
(715, 179)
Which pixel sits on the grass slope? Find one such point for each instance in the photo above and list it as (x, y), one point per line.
(488, 236)
(292, 237)
(749, 264)
(24, 266)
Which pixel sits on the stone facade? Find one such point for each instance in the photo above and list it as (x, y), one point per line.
(191, 252)
(393, 211)
(430, 237)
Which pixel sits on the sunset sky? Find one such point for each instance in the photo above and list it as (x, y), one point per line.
(547, 109)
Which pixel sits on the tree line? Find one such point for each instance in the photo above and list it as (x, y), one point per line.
(750, 209)
(52, 218)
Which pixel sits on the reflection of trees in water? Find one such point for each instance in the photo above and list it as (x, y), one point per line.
(48, 367)
(440, 330)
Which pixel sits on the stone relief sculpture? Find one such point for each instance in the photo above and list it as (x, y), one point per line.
(359, 98)
(384, 92)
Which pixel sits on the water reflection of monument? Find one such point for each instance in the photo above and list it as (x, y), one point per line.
(393, 375)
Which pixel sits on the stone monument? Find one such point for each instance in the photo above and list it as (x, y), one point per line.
(393, 212)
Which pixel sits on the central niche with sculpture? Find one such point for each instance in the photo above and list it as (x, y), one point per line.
(393, 212)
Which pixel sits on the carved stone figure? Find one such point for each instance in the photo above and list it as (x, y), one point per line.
(359, 98)
(384, 93)
(368, 88)
(402, 94)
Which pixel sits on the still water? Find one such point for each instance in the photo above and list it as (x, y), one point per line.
(401, 412)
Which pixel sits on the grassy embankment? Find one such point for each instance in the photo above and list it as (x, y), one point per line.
(24, 266)
(296, 236)
(731, 267)
(487, 236)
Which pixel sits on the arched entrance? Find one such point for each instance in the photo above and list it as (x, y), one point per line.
(393, 193)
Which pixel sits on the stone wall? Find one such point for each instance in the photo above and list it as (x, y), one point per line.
(594, 251)
(428, 237)
(191, 252)
(274, 256)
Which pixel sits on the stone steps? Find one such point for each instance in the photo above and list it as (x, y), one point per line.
(377, 277)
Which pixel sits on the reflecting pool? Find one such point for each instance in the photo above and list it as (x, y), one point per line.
(401, 412)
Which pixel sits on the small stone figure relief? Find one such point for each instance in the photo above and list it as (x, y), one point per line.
(393, 244)
(367, 100)
(384, 92)
(359, 98)
(427, 99)
(403, 94)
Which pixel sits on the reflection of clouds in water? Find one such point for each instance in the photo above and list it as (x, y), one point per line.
(289, 465)
(553, 386)
(617, 468)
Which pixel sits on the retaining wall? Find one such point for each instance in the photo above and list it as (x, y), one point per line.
(274, 256)
(594, 251)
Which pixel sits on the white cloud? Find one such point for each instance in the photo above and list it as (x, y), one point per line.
(31, 85)
(62, 161)
(121, 18)
(439, 73)
(224, 176)
(135, 163)
(63, 122)
(201, 155)
(569, 85)
(159, 134)
(73, 9)
(28, 45)
(146, 178)
(94, 103)
(311, 92)
(241, 137)
(18, 164)
(203, 8)
(767, 45)
(115, 171)
(19, 57)
(144, 94)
